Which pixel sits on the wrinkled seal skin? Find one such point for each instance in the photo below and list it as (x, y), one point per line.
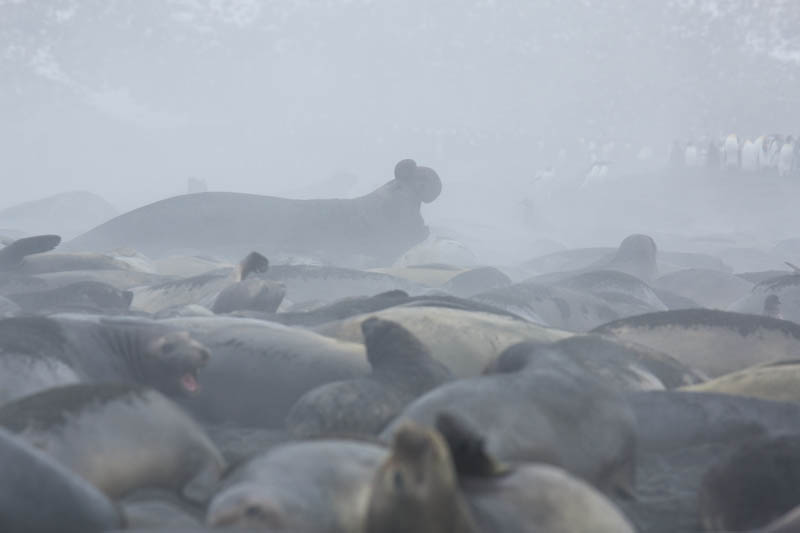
(38, 495)
(41, 352)
(118, 437)
(380, 225)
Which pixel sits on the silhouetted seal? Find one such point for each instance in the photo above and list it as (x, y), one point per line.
(380, 225)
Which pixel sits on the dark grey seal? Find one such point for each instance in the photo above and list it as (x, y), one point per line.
(402, 370)
(545, 413)
(753, 486)
(381, 225)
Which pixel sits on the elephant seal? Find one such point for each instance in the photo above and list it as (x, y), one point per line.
(715, 342)
(671, 420)
(429, 484)
(380, 225)
(551, 305)
(39, 495)
(206, 289)
(465, 341)
(544, 413)
(38, 352)
(626, 294)
(326, 284)
(753, 486)
(708, 287)
(402, 370)
(778, 382)
(260, 369)
(476, 281)
(786, 288)
(623, 366)
(11, 255)
(250, 295)
(316, 485)
(636, 255)
(83, 296)
(118, 437)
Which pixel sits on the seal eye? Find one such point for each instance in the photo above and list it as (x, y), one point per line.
(254, 512)
(168, 347)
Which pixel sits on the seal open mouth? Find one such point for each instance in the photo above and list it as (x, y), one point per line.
(189, 382)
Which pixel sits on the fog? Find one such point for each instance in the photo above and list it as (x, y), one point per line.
(304, 99)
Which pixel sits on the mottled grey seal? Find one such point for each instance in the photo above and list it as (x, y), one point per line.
(715, 342)
(381, 225)
(318, 485)
(259, 369)
(544, 413)
(39, 352)
(402, 370)
(426, 485)
(753, 486)
(233, 286)
(465, 341)
(118, 437)
(39, 495)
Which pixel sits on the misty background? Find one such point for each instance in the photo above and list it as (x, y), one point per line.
(300, 98)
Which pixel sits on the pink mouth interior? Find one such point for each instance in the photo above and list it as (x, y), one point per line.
(189, 383)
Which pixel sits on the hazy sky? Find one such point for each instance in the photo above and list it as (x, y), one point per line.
(129, 98)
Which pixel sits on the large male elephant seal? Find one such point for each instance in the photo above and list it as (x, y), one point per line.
(380, 225)
(39, 495)
(118, 437)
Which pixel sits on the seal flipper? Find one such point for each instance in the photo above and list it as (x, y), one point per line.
(467, 448)
(394, 352)
(13, 254)
(253, 263)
